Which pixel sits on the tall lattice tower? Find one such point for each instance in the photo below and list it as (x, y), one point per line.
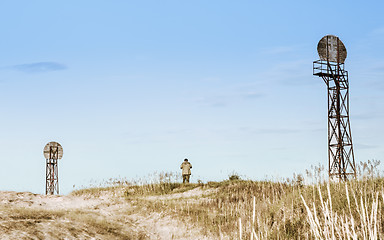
(52, 152)
(330, 68)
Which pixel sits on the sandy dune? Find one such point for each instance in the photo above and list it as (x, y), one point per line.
(26, 215)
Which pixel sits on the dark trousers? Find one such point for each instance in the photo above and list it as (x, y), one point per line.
(186, 178)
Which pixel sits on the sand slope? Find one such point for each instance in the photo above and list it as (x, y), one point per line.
(108, 215)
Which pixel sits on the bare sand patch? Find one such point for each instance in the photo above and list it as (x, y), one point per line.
(26, 215)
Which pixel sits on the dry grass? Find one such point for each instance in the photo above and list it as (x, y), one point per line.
(231, 209)
(39, 223)
(30, 213)
(361, 218)
(278, 210)
(272, 210)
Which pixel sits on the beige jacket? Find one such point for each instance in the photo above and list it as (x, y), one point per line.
(186, 166)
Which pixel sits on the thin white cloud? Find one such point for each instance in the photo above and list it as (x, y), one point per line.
(252, 95)
(278, 50)
(364, 146)
(377, 32)
(275, 131)
(226, 99)
(39, 67)
(269, 130)
(294, 72)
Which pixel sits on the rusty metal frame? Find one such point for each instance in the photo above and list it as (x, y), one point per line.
(52, 175)
(341, 158)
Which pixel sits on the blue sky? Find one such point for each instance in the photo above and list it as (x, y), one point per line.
(133, 87)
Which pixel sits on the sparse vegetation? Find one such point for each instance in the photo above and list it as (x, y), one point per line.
(234, 177)
(31, 214)
(280, 212)
(298, 208)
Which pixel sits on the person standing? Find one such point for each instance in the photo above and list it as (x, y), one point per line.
(186, 170)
